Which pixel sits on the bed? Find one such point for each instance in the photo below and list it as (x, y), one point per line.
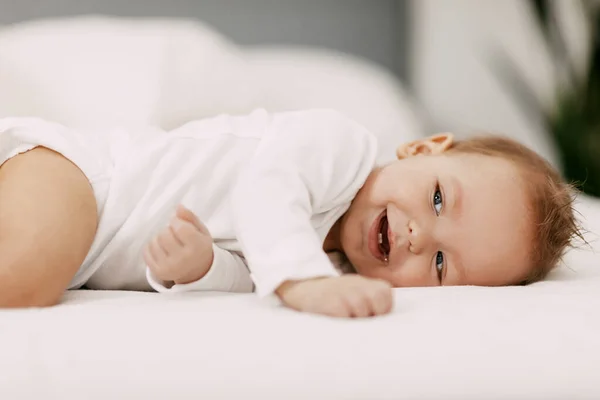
(536, 342)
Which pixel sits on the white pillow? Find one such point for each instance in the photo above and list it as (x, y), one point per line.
(102, 71)
(82, 71)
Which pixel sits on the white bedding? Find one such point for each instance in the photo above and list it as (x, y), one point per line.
(535, 342)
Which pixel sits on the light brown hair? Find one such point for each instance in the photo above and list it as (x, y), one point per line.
(551, 200)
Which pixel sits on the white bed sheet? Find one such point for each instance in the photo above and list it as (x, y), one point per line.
(535, 342)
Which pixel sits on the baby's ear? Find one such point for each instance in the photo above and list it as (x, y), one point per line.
(435, 144)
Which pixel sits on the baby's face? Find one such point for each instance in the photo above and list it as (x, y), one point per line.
(456, 219)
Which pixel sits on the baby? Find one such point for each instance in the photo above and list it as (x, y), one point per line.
(486, 211)
(271, 203)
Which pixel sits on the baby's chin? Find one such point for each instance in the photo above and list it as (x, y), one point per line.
(366, 269)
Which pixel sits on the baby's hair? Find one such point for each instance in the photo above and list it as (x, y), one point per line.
(551, 200)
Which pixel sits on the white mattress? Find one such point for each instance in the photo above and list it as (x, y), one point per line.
(535, 342)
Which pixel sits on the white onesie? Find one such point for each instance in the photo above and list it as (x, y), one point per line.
(269, 187)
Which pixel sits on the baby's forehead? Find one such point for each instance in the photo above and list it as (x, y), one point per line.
(496, 242)
(495, 225)
(475, 158)
(492, 168)
(492, 183)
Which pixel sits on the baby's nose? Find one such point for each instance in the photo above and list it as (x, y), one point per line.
(418, 237)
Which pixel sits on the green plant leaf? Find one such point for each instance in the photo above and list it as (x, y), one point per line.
(592, 91)
(541, 11)
(574, 120)
(544, 13)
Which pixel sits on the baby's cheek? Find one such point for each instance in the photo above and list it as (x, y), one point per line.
(382, 191)
(412, 273)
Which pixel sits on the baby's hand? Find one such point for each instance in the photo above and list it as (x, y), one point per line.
(182, 253)
(344, 296)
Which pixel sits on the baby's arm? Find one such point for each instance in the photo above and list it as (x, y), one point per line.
(308, 163)
(183, 257)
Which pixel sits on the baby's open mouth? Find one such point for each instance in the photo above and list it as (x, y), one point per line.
(384, 243)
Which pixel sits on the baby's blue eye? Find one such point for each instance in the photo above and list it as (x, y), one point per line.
(439, 264)
(437, 200)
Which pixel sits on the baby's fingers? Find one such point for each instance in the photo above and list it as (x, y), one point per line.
(184, 231)
(382, 299)
(168, 242)
(186, 215)
(359, 305)
(151, 262)
(156, 251)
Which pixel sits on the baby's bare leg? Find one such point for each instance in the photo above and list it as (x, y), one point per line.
(48, 221)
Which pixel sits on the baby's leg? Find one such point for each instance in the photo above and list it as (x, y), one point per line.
(48, 221)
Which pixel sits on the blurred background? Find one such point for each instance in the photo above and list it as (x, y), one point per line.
(373, 29)
(526, 69)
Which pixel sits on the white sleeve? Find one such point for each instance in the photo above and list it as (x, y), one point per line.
(308, 163)
(228, 273)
